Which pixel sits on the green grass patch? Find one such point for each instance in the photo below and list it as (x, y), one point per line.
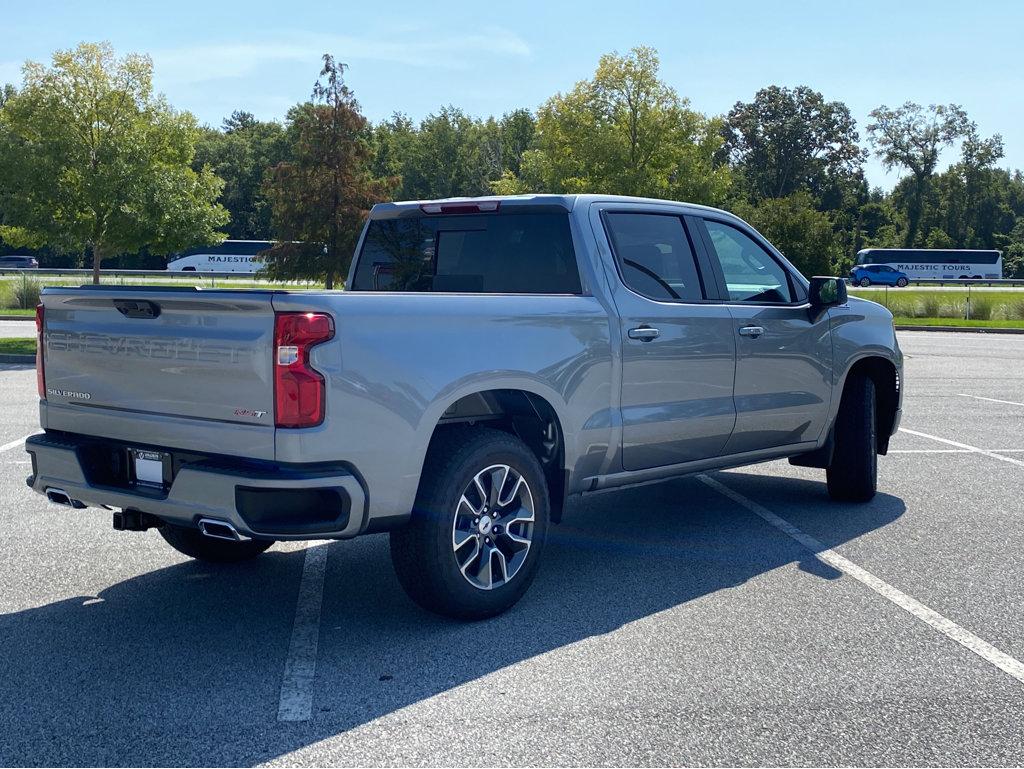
(958, 322)
(19, 312)
(1000, 305)
(18, 346)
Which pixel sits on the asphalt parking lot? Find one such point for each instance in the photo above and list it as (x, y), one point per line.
(738, 618)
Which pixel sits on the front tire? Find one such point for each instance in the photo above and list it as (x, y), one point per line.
(478, 527)
(865, 282)
(902, 282)
(852, 474)
(195, 544)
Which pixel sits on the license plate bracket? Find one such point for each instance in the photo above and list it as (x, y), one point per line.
(150, 468)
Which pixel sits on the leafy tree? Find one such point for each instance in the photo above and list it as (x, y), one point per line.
(911, 137)
(625, 131)
(791, 139)
(91, 159)
(516, 130)
(800, 231)
(321, 196)
(241, 154)
(448, 157)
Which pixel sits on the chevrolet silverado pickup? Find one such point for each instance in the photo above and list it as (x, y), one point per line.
(489, 359)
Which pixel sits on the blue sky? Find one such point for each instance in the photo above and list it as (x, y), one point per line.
(214, 57)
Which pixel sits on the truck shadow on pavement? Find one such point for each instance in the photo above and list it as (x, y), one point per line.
(183, 665)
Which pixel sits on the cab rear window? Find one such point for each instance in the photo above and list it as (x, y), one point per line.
(506, 253)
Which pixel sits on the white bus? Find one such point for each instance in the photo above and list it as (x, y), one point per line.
(936, 264)
(229, 256)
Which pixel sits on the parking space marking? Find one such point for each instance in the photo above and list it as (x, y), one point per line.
(15, 444)
(991, 400)
(950, 451)
(296, 703)
(973, 449)
(1009, 665)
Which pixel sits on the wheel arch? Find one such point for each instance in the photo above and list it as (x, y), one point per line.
(885, 375)
(520, 411)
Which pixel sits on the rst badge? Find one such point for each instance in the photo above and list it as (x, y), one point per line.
(250, 413)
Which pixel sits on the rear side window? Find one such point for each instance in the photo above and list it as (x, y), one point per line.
(654, 255)
(529, 253)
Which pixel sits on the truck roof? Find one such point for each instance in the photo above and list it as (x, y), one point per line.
(401, 208)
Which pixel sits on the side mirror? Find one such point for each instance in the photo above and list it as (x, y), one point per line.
(827, 292)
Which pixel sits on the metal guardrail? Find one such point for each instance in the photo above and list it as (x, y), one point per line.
(967, 282)
(173, 274)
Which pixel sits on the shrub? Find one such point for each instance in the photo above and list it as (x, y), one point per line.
(931, 306)
(26, 293)
(982, 308)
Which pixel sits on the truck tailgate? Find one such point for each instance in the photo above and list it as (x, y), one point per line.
(173, 367)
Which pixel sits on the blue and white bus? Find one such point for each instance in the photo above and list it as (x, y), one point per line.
(229, 256)
(937, 264)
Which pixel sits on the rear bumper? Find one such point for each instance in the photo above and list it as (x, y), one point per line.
(260, 500)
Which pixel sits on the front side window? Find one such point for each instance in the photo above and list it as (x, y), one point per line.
(655, 256)
(751, 273)
(530, 253)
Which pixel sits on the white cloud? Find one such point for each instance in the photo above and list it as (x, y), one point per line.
(196, 64)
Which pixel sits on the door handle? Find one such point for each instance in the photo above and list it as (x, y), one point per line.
(751, 331)
(644, 333)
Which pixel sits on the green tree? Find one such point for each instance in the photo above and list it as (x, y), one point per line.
(241, 154)
(91, 159)
(911, 137)
(627, 132)
(800, 231)
(321, 196)
(791, 139)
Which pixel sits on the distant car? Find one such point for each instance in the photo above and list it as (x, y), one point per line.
(878, 274)
(18, 263)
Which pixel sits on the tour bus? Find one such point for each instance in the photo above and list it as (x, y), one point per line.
(229, 256)
(936, 264)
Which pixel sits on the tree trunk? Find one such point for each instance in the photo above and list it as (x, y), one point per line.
(97, 259)
(329, 280)
(915, 211)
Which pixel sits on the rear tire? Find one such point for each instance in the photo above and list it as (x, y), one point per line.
(195, 544)
(478, 527)
(853, 472)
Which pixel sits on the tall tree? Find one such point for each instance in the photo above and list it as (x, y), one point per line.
(797, 229)
(321, 196)
(791, 139)
(91, 159)
(911, 137)
(241, 154)
(624, 131)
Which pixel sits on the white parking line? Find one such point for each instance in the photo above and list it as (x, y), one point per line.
(15, 444)
(951, 451)
(947, 627)
(296, 703)
(959, 445)
(992, 400)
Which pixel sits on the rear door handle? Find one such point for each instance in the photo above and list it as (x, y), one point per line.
(751, 331)
(644, 333)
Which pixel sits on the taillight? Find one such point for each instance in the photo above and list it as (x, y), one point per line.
(40, 373)
(299, 389)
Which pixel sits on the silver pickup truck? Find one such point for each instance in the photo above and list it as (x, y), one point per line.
(489, 358)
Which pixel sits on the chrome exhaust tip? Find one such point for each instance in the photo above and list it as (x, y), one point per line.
(61, 497)
(215, 529)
